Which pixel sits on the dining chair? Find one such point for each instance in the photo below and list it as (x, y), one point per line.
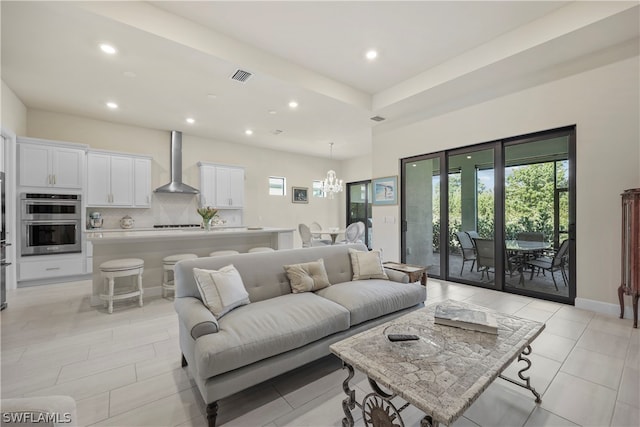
(307, 239)
(315, 226)
(557, 262)
(485, 256)
(467, 248)
(354, 233)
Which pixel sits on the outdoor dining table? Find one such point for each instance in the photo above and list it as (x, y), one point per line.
(525, 248)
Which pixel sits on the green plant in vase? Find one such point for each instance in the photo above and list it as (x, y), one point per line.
(207, 213)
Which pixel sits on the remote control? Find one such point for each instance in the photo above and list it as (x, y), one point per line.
(402, 337)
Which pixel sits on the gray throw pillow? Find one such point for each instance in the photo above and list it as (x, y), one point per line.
(307, 277)
(221, 290)
(367, 265)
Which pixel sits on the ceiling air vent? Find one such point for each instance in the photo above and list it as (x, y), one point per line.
(377, 118)
(241, 75)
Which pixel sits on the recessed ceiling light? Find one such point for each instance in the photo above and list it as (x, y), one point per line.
(293, 104)
(191, 120)
(248, 132)
(371, 54)
(107, 48)
(112, 105)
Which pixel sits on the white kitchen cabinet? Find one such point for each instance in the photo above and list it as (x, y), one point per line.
(47, 164)
(118, 180)
(110, 180)
(142, 182)
(51, 266)
(229, 187)
(221, 186)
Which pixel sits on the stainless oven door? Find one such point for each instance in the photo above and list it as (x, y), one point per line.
(44, 210)
(50, 237)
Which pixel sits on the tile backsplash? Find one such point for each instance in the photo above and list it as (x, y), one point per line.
(165, 209)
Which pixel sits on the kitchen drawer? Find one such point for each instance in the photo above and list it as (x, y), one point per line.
(41, 269)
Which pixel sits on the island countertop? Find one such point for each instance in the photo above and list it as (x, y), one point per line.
(111, 236)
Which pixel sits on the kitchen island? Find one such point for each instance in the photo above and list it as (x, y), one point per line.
(153, 245)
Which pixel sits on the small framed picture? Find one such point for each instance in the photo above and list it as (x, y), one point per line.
(385, 190)
(300, 194)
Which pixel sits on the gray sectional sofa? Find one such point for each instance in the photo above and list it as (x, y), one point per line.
(279, 330)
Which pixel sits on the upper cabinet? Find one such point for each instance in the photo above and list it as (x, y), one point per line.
(51, 165)
(118, 180)
(221, 186)
(142, 182)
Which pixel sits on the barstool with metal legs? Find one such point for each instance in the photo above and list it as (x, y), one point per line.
(168, 266)
(121, 268)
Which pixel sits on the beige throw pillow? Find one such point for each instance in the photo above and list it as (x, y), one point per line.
(367, 265)
(221, 290)
(307, 277)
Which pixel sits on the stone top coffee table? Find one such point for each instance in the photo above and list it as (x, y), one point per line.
(441, 374)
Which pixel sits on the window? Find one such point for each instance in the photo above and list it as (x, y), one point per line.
(317, 189)
(277, 186)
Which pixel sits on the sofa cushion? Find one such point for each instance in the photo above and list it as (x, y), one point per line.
(266, 328)
(221, 290)
(367, 265)
(307, 276)
(369, 299)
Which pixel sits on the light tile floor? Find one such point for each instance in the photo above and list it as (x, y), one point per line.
(124, 369)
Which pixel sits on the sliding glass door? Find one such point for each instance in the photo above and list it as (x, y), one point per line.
(471, 216)
(421, 238)
(498, 215)
(359, 207)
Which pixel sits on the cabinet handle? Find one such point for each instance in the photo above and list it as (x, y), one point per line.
(49, 179)
(54, 180)
(52, 268)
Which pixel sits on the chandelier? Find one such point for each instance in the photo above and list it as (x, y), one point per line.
(331, 185)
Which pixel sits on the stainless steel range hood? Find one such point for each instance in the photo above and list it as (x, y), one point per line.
(176, 185)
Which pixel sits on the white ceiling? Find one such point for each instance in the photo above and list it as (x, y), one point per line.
(433, 57)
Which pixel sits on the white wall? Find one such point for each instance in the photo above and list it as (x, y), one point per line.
(13, 113)
(604, 105)
(260, 208)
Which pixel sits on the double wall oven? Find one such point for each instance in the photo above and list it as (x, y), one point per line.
(50, 223)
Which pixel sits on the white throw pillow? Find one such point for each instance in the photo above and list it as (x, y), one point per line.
(367, 265)
(221, 290)
(307, 277)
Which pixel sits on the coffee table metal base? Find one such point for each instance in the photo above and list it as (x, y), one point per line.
(379, 411)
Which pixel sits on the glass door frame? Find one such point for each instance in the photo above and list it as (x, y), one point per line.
(499, 208)
(367, 206)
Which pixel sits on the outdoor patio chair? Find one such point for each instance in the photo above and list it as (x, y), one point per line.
(485, 256)
(467, 248)
(554, 264)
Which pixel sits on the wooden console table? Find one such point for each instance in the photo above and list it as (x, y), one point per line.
(630, 265)
(415, 272)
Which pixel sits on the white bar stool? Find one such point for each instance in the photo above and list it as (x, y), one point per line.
(223, 253)
(168, 265)
(261, 249)
(121, 268)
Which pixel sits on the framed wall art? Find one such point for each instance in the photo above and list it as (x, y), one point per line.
(385, 190)
(300, 194)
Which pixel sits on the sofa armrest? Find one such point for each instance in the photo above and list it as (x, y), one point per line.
(196, 317)
(397, 276)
